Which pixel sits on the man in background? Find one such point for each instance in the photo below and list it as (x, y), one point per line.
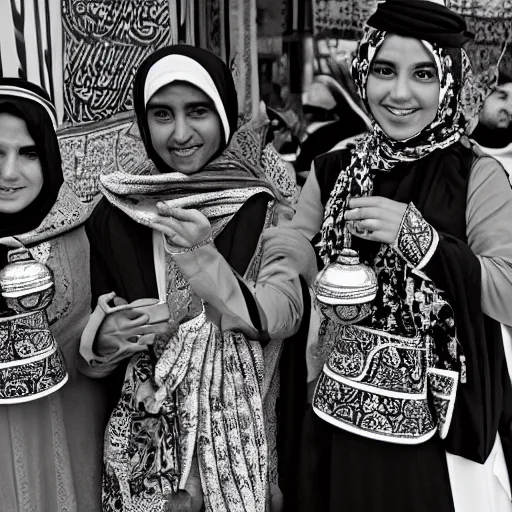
(494, 130)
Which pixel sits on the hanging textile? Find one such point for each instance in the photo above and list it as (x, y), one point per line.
(31, 45)
(489, 20)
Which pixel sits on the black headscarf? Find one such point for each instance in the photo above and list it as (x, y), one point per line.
(218, 71)
(421, 19)
(32, 104)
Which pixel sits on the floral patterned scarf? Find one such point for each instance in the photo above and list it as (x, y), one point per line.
(376, 152)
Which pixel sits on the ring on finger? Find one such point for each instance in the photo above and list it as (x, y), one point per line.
(362, 231)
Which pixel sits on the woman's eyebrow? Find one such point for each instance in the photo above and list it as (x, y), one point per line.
(156, 105)
(426, 64)
(384, 62)
(192, 104)
(28, 149)
(197, 104)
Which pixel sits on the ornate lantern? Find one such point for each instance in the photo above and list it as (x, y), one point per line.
(31, 364)
(346, 287)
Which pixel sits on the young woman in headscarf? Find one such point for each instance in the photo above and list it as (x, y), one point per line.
(52, 418)
(420, 370)
(176, 258)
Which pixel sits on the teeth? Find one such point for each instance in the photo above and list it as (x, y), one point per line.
(8, 189)
(401, 111)
(185, 152)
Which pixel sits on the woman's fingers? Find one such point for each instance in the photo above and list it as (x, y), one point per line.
(369, 212)
(383, 236)
(134, 319)
(174, 234)
(375, 218)
(370, 225)
(183, 228)
(373, 201)
(181, 214)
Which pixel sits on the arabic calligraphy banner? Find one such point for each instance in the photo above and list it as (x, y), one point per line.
(104, 42)
(85, 52)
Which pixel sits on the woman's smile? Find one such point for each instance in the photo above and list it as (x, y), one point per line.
(185, 152)
(401, 112)
(7, 191)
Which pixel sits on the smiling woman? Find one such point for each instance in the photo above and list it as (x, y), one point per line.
(184, 126)
(21, 176)
(403, 87)
(195, 310)
(51, 417)
(410, 391)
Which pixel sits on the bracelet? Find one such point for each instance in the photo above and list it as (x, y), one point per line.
(206, 241)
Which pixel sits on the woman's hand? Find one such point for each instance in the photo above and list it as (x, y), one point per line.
(183, 228)
(375, 218)
(126, 330)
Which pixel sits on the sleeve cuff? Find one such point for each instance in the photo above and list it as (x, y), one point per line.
(416, 241)
(443, 391)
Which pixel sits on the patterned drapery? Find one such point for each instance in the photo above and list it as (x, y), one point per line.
(85, 52)
(31, 44)
(104, 42)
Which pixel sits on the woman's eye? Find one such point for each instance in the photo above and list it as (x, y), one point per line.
(426, 74)
(199, 112)
(31, 155)
(161, 114)
(383, 71)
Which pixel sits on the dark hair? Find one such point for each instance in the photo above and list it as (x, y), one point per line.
(504, 77)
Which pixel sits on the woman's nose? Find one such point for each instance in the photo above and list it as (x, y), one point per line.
(8, 167)
(182, 130)
(401, 90)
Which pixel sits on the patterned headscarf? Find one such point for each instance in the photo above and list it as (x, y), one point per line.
(376, 151)
(196, 66)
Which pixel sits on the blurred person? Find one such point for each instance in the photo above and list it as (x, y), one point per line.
(494, 130)
(331, 115)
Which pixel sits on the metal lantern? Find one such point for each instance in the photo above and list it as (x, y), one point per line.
(25, 284)
(347, 286)
(31, 364)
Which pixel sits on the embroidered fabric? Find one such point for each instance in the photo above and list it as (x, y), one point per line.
(416, 240)
(277, 173)
(383, 400)
(375, 381)
(137, 196)
(382, 382)
(199, 393)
